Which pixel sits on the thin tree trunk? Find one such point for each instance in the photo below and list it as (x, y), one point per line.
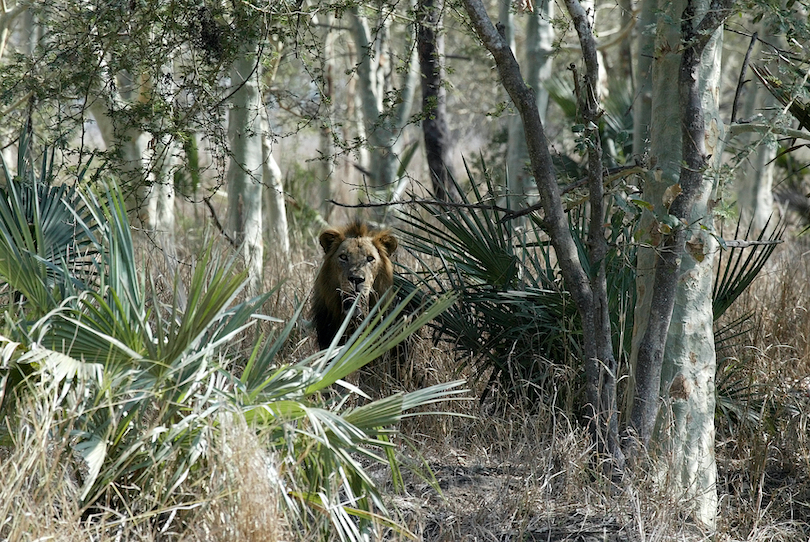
(538, 51)
(382, 127)
(127, 142)
(430, 43)
(517, 154)
(276, 226)
(642, 72)
(326, 163)
(161, 210)
(555, 222)
(601, 367)
(245, 168)
(755, 185)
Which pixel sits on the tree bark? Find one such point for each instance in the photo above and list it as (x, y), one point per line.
(675, 355)
(430, 45)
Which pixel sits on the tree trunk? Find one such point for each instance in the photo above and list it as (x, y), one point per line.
(601, 367)
(755, 185)
(538, 51)
(382, 126)
(276, 226)
(642, 72)
(675, 355)
(245, 168)
(127, 142)
(430, 44)
(590, 305)
(326, 162)
(160, 200)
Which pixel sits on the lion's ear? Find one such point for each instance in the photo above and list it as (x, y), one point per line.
(388, 241)
(329, 239)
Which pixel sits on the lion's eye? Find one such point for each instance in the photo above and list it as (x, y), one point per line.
(370, 259)
(343, 258)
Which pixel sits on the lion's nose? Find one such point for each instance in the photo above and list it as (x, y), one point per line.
(357, 282)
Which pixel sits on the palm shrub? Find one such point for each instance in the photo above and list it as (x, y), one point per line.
(142, 385)
(739, 397)
(514, 318)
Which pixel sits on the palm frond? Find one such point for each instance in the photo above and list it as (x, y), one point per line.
(744, 264)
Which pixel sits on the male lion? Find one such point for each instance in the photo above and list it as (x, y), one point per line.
(356, 264)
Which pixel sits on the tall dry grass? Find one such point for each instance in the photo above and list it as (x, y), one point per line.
(764, 459)
(234, 498)
(506, 475)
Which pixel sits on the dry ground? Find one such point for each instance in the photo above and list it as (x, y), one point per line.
(515, 476)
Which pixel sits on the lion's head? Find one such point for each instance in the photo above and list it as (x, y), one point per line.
(356, 265)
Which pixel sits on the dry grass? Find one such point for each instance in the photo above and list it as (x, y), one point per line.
(507, 476)
(520, 476)
(236, 499)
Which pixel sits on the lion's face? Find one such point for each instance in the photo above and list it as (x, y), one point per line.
(357, 265)
(358, 262)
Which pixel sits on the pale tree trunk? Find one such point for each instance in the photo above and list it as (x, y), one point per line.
(244, 173)
(517, 154)
(538, 51)
(625, 68)
(276, 230)
(326, 163)
(382, 126)
(128, 142)
(161, 210)
(755, 185)
(8, 16)
(276, 225)
(673, 345)
(642, 73)
(160, 195)
(160, 198)
(430, 44)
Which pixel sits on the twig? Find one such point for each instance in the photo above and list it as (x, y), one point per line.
(741, 81)
(745, 244)
(218, 224)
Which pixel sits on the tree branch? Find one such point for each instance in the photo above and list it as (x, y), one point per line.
(555, 222)
(600, 363)
(741, 80)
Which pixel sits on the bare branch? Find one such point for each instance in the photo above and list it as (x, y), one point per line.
(741, 80)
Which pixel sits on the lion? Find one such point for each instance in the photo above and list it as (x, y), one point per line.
(356, 264)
